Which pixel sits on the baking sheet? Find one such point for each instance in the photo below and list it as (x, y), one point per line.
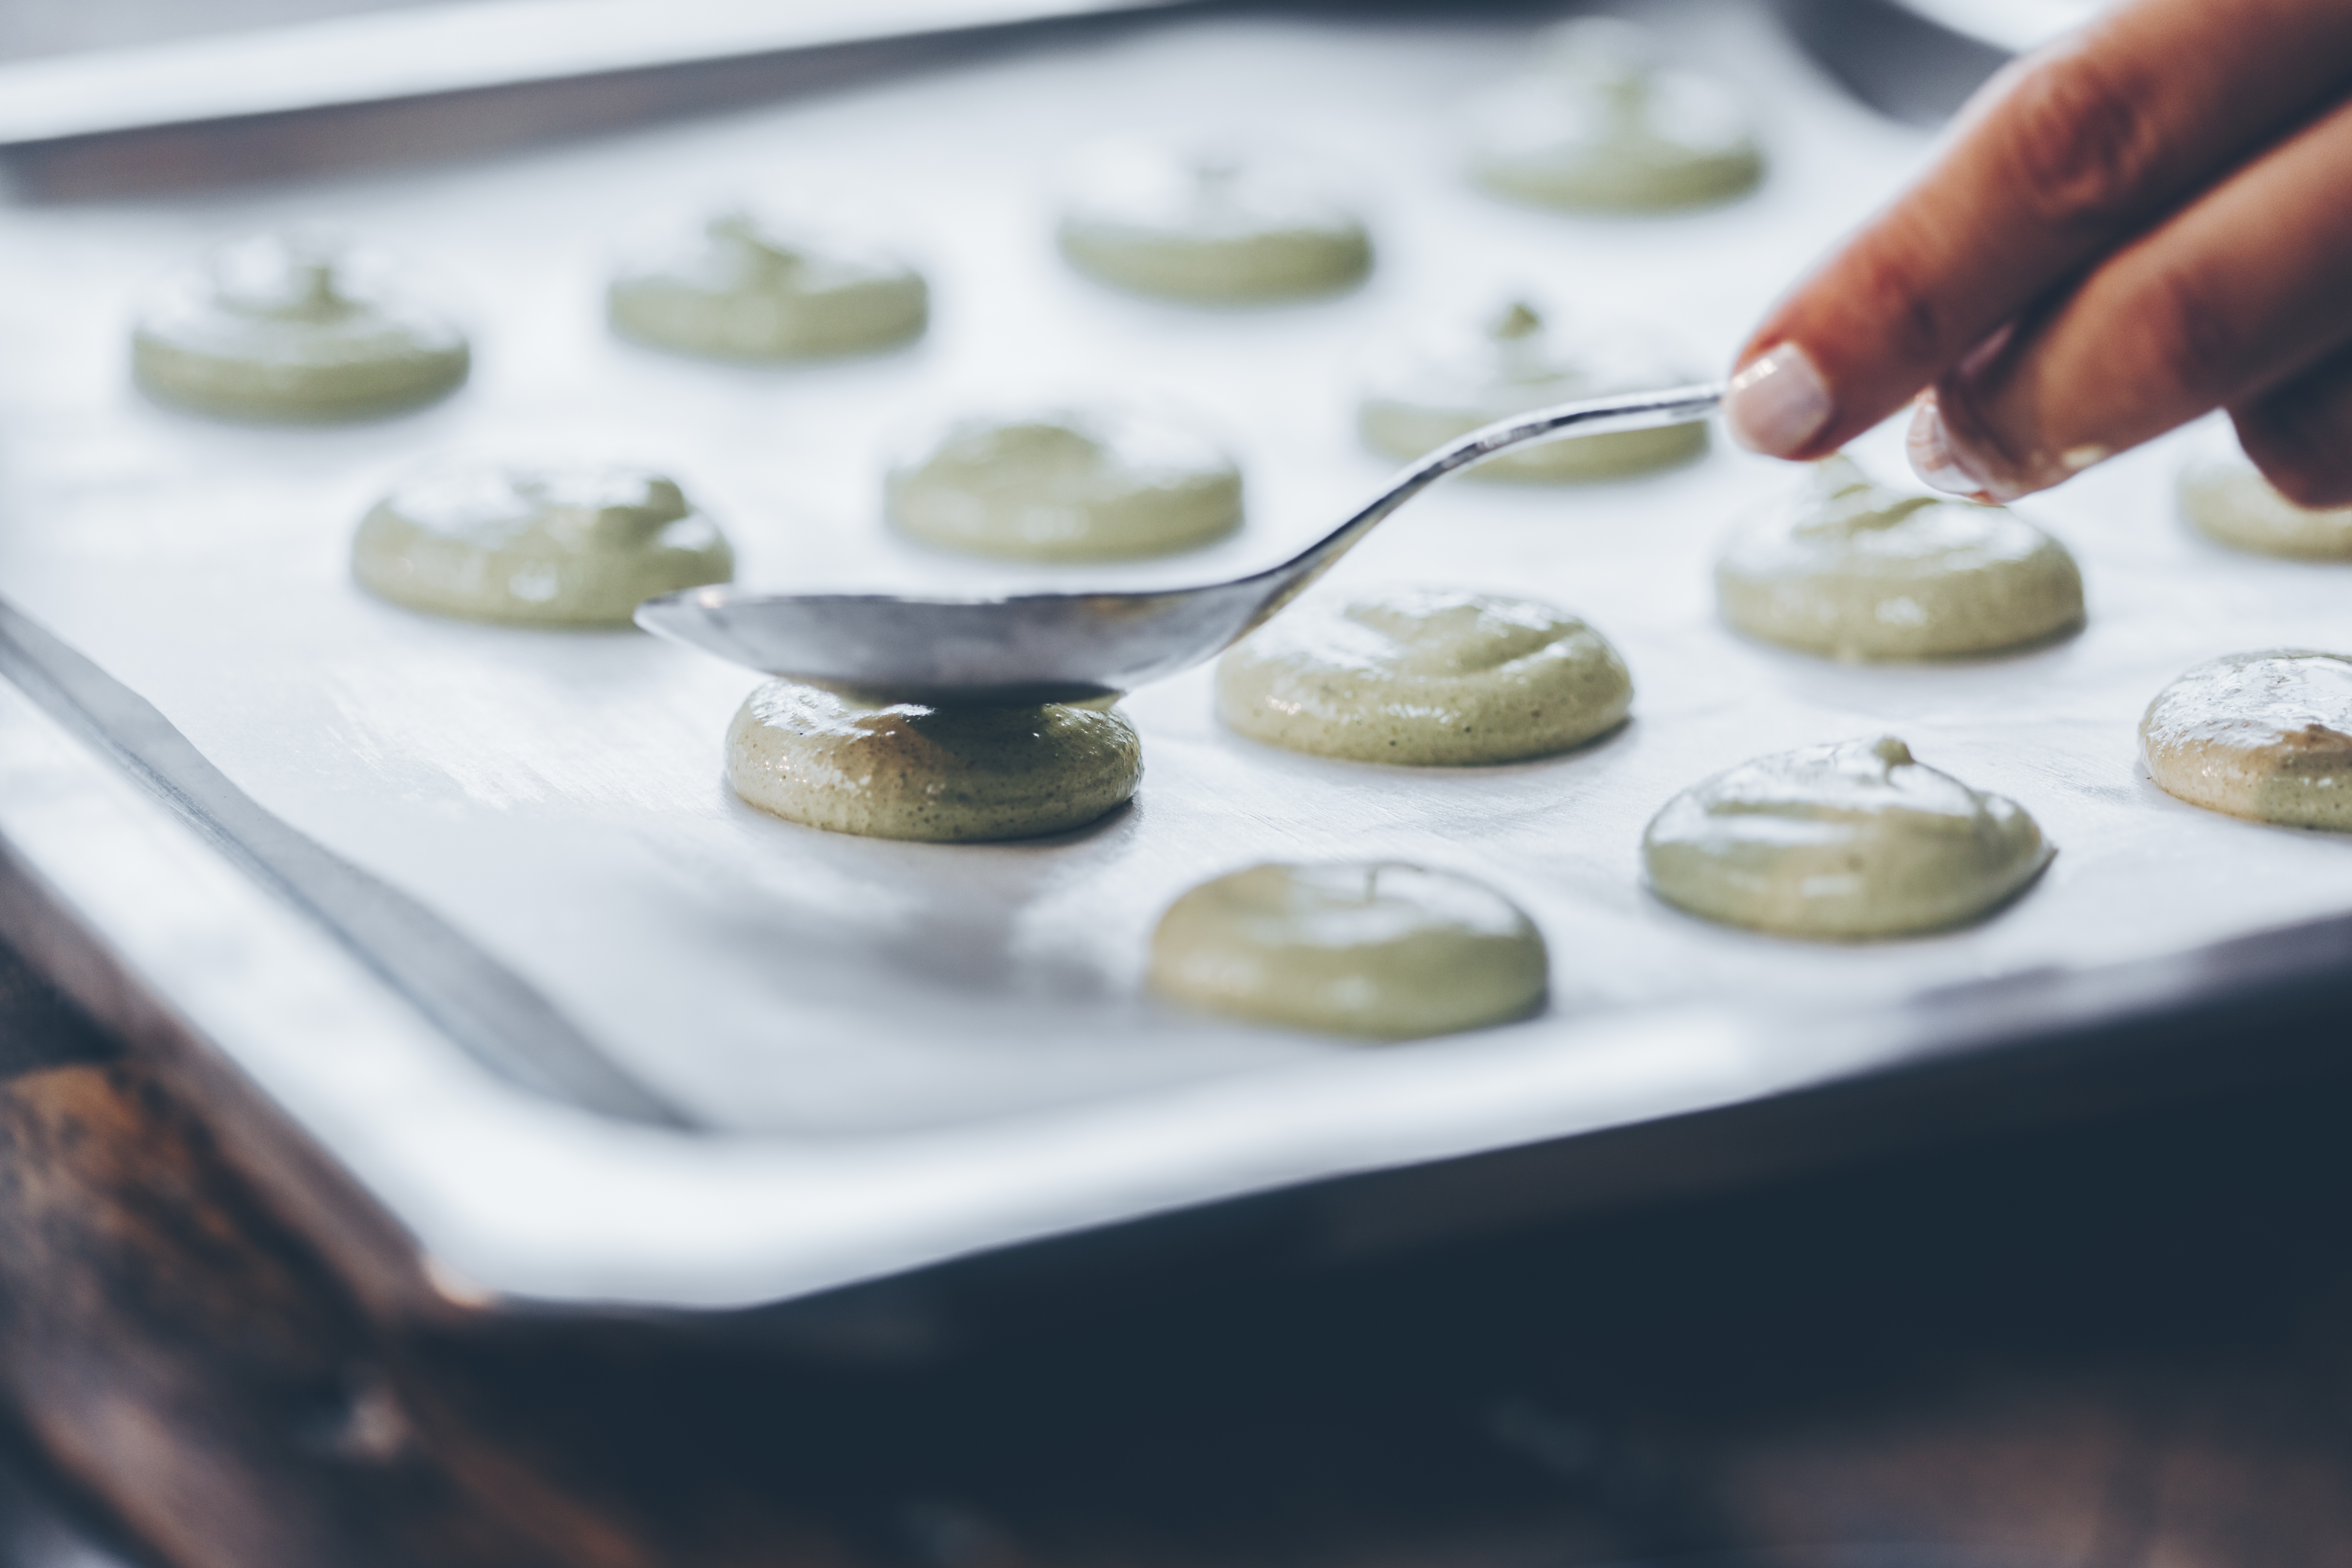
(558, 796)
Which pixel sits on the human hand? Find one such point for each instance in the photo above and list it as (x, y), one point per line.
(2149, 220)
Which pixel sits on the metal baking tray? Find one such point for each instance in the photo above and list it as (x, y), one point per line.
(503, 992)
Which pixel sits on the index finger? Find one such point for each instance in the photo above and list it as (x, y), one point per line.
(2060, 158)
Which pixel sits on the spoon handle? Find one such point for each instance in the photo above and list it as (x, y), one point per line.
(1591, 416)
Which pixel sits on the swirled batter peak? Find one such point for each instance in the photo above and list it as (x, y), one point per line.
(1379, 950)
(561, 546)
(1603, 124)
(751, 286)
(1852, 569)
(1210, 227)
(2230, 502)
(1067, 484)
(1427, 389)
(1857, 839)
(297, 329)
(1430, 676)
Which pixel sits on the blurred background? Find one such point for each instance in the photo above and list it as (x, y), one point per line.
(32, 29)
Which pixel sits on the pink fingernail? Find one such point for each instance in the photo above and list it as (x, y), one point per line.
(1778, 404)
(1933, 458)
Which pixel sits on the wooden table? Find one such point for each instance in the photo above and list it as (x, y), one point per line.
(2124, 1342)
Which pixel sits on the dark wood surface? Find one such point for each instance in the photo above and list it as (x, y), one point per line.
(2125, 1342)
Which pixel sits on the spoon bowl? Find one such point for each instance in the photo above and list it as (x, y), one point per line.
(1046, 648)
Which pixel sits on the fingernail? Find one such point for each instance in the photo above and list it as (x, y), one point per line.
(1778, 404)
(1933, 458)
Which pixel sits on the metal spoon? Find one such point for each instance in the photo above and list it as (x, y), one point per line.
(1061, 647)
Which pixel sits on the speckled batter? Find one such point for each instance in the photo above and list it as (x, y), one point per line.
(857, 763)
(1209, 228)
(293, 329)
(1100, 484)
(1425, 392)
(1856, 570)
(545, 547)
(2261, 735)
(1604, 125)
(1428, 677)
(2228, 501)
(752, 288)
(1377, 950)
(1848, 841)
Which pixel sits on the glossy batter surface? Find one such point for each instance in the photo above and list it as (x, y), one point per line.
(1427, 677)
(1209, 228)
(541, 547)
(1425, 392)
(2230, 502)
(1604, 125)
(1378, 950)
(751, 286)
(1851, 840)
(297, 330)
(1857, 571)
(852, 763)
(2261, 735)
(1101, 484)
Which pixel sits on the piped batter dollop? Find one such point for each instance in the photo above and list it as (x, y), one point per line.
(297, 329)
(1376, 950)
(2266, 736)
(859, 763)
(1603, 124)
(2230, 502)
(1424, 391)
(1855, 570)
(559, 546)
(748, 286)
(1851, 840)
(1426, 676)
(1068, 484)
(1210, 227)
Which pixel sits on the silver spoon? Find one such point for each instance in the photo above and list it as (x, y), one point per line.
(1061, 647)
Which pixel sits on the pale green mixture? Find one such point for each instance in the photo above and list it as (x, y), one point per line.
(2261, 735)
(1602, 125)
(2230, 502)
(1425, 677)
(1209, 228)
(1856, 570)
(858, 763)
(1068, 485)
(557, 547)
(293, 329)
(1425, 391)
(1845, 841)
(746, 288)
(1377, 950)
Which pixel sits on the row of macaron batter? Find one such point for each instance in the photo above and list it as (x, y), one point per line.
(1850, 841)
(1882, 844)
(307, 330)
(1840, 842)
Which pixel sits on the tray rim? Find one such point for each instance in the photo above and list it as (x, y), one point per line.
(2102, 1036)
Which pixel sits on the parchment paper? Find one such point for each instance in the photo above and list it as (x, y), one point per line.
(559, 795)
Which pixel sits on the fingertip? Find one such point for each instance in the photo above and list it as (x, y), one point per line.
(1934, 457)
(1945, 463)
(1778, 403)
